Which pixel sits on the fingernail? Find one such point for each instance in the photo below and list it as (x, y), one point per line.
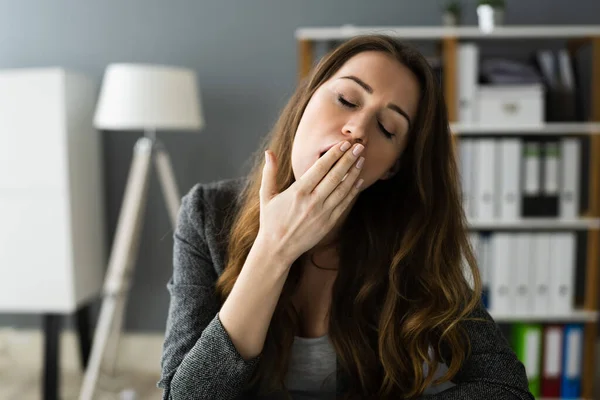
(357, 149)
(345, 146)
(359, 183)
(266, 157)
(360, 162)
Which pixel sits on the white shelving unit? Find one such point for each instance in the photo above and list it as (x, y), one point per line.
(438, 32)
(575, 316)
(552, 128)
(537, 223)
(448, 39)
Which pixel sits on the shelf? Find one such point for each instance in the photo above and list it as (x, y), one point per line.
(440, 32)
(560, 398)
(536, 223)
(551, 128)
(575, 316)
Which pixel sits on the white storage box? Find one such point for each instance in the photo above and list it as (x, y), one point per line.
(511, 105)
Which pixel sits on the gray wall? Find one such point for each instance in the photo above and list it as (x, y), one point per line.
(245, 55)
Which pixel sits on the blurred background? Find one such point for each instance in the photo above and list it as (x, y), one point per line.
(526, 100)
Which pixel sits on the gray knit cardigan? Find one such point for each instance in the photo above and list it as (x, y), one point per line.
(199, 360)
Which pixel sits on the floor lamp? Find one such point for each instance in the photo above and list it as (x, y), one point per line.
(148, 98)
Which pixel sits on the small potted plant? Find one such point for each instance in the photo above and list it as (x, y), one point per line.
(452, 11)
(493, 9)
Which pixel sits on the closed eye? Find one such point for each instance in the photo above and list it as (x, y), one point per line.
(385, 132)
(346, 103)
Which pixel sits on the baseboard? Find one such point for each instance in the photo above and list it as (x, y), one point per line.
(138, 352)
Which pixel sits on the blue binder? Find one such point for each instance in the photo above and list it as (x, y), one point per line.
(572, 362)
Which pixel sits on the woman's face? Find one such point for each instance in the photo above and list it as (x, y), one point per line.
(371, 99)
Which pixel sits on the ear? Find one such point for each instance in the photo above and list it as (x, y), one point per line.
(392, 171)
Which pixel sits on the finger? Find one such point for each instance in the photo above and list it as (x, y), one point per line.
(335, 176)
(342, 190)
(269, 172)
(343, 205)
(318, 170)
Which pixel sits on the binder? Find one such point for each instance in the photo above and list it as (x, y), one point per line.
(509, 160)
(548, 68)
(541, 178)
(485, 255)
(474, 242)
(522, 274)
(484, 178)
(562, 270)
(565, 70)
(531, 177)
(550, 177)
(569, 177)
(466, 170)
(527, 344)
(561, 99)
(570, 385)
(468, 79)
(502, 293)
(540, 278)
(552, 359)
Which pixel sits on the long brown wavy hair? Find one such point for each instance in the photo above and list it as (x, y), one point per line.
(403, 287)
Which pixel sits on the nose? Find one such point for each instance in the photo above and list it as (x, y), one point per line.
(355, 131)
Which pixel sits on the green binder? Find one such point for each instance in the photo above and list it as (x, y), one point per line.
(527, 344)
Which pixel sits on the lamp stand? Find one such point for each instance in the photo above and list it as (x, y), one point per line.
(124, 253)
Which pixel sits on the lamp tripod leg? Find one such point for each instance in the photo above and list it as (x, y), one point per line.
(122, 258)
(109, 363)
(167, 182)
(170, 192)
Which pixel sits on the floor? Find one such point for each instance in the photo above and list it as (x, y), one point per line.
(25, 385)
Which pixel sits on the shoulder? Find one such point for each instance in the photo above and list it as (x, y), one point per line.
(207, 208)
(203, 200)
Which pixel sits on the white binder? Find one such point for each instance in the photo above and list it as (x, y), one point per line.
(531, 169)
(502, 295)
(562, 272)
(466, 171)
(468, 77)
(509, 173)
(541, 277)
(485, 264)
(522, 276)
(484, 178)
(474, 241)
(551, 172)
(570, 176)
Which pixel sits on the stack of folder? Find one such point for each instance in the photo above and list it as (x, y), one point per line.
(552, 355)
(529, 273)
(532, 275)
(510, 178)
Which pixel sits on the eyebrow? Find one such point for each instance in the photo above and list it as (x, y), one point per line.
(370, 90)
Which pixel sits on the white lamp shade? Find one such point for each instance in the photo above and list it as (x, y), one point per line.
(139, 97)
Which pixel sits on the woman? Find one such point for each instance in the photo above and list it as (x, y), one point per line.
(336, 268)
